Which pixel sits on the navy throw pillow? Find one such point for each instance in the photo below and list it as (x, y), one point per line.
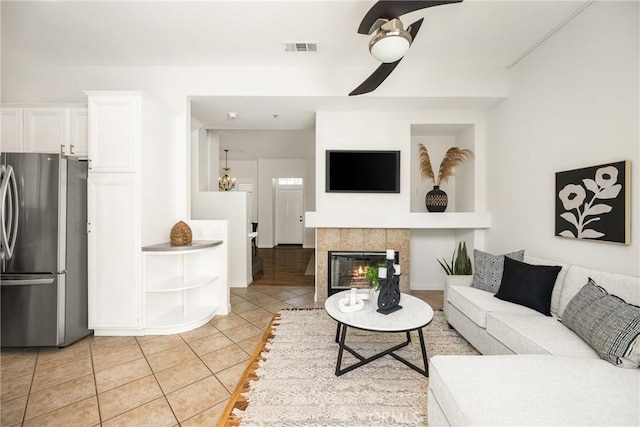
(528, 285)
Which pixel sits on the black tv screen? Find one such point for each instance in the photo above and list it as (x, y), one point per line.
(350, 171)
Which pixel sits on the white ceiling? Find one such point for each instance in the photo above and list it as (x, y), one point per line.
(474, 33)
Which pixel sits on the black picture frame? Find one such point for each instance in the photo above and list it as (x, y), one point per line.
(593, 203)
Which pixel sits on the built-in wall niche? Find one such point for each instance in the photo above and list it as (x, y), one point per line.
(430, 245)
(438, 138)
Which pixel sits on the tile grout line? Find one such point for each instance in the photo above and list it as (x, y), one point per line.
(164, 395)
(95, 381)
(33, 376)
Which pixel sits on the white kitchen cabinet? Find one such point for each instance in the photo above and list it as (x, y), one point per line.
(113, 246)
(114, 132)
(45, 129)
(12, 130)
(78, 144)
(182, 285)
(132, 202)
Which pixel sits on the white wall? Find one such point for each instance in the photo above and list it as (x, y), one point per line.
(232, 206)
(171, 85)
(574, 102)
(465, 174)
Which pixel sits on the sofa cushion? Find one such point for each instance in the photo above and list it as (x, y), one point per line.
(536, 334)
(625, 287)
(606, 322)
(527, 284)
(476, 303)
(534, 390)
(488, 269)
(557, 288)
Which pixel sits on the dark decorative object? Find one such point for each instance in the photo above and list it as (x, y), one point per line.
(180, 234)
(436, 200)
(593, 203)
(389, 297)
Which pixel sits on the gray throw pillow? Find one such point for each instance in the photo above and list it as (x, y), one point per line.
(489, 268)
(607, 323)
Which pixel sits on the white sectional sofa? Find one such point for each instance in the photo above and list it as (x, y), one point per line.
(534, 370)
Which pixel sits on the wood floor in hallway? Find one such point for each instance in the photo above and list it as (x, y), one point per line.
(284, 265)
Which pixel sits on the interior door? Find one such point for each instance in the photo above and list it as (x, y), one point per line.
(289, 216)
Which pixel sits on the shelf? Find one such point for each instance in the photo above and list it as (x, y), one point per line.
(175, 319)
(414, 220)
(178, 284)
(167, 249)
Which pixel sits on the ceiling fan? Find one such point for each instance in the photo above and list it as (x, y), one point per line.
(390, 42)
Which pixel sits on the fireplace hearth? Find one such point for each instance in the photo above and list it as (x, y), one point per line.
(347, 269)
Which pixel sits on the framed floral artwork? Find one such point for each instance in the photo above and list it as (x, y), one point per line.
(593, 203)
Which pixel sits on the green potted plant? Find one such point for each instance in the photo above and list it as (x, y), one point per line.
(371, 274)
(459, 272)
(460, 262)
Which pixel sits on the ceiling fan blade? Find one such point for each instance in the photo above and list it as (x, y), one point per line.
(375, 79)
(414, 28)
(389, 9)
(383, 71)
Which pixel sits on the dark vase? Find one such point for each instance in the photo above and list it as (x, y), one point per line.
(436, 200)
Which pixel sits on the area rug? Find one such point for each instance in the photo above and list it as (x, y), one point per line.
(291, 379)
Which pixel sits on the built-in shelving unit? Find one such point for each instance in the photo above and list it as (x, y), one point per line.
(180, 285)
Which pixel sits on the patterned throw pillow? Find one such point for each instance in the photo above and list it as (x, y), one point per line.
(607, 323)
(489, 268)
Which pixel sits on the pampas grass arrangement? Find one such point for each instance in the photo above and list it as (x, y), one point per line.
(454, 157)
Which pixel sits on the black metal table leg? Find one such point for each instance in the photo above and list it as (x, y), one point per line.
(342, 332)
(424, 353)
(341, 348)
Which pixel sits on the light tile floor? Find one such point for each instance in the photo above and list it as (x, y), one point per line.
(184, 379)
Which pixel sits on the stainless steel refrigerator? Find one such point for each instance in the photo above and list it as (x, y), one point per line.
(43, 250)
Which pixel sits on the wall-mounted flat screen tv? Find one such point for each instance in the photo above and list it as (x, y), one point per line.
(353, 171)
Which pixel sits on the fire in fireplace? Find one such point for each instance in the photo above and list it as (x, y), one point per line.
(347, 269)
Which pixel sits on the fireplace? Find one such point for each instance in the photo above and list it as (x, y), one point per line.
(347, 269)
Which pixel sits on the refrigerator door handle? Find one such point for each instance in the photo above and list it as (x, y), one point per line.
(9, 199)
(4, 194)
(25, 282)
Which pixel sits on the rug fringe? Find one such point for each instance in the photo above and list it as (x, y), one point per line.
(237, 399)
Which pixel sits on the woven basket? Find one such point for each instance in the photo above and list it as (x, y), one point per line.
(181, 234)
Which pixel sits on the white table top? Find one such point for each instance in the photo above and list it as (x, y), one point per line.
(414, 314)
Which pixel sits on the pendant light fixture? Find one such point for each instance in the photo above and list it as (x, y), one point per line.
(225, 182)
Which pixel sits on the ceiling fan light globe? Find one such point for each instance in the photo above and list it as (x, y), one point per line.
(389, 48)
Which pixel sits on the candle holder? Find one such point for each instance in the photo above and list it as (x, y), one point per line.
(389, 297)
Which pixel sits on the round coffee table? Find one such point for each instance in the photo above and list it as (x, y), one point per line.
(414, 315)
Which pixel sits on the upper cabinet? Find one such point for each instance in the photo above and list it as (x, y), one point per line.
(40, 129)
(12, 129)
(114, 132)
(46, 129)
(79, 132)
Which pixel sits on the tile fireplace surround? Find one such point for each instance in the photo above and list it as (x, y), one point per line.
(360, 239)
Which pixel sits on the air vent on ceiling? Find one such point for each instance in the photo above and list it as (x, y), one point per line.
(300, 46)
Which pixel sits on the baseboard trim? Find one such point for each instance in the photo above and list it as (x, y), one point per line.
(431, 286)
